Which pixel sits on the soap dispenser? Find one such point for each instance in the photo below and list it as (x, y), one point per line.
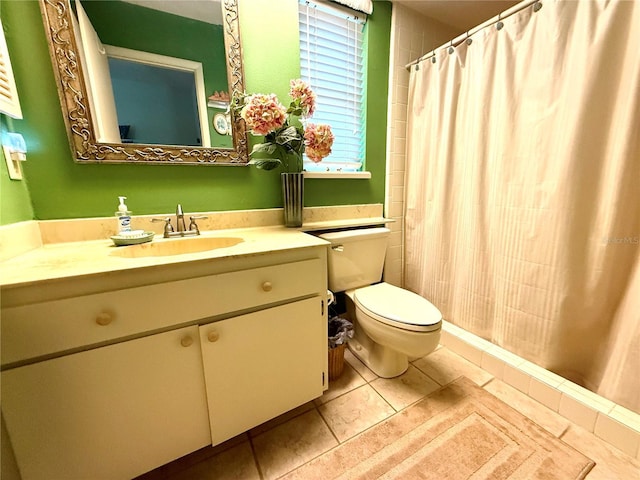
(124, 217)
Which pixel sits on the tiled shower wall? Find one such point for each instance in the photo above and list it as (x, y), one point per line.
(412, 35)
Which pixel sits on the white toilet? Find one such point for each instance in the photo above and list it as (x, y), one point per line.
(391, 325)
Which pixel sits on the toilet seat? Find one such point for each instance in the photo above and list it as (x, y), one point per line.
(398, 308)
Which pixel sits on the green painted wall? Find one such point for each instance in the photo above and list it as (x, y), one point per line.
(61, 188)
(16, 202)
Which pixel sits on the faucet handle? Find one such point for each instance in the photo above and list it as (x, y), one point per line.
(168, 228)
(192, 222)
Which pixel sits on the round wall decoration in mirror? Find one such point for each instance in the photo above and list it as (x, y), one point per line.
(221, 124)
(148, 82)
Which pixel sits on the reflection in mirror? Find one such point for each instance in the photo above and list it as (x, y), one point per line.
(142, 85)
(158, 99)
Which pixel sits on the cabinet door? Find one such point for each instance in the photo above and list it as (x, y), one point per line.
(113, 412)
(262, 364)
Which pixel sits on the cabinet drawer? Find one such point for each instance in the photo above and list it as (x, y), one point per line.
(46, 328)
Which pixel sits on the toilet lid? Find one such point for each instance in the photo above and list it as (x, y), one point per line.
(398, 307)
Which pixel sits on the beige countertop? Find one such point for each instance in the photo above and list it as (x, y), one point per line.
(57, 261)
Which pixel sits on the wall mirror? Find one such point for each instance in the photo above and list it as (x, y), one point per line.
(148, 81)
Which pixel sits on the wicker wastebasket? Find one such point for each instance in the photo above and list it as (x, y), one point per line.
(336, 361)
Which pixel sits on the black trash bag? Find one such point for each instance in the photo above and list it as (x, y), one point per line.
(340, 330)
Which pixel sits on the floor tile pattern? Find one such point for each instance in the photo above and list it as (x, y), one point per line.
(358, 400)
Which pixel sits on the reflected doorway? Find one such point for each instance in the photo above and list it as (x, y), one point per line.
(155, 104)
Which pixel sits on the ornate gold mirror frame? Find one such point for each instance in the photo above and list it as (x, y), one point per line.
(75, 107)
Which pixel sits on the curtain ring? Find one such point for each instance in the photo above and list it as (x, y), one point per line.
(468, 40)
(451, 49)
(499, 24)
(537, 6)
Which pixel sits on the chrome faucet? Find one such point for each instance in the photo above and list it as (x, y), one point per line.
(180, 225)
(181, 228)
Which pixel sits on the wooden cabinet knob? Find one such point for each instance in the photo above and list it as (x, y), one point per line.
(104, 318)
(267, 286)
(213, 336)
(186, 341)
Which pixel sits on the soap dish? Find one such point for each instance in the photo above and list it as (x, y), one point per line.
(132, 238)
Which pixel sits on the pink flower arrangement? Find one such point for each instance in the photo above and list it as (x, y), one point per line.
(263, 114)
(300, 91)
(285, 139)
(318, 140)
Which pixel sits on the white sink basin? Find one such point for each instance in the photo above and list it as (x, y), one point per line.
(176, 246)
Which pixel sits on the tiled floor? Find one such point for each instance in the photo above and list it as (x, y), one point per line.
(357, 401)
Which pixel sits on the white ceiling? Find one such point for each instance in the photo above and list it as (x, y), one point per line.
(461, 14)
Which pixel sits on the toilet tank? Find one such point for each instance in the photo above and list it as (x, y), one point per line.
(356, 257)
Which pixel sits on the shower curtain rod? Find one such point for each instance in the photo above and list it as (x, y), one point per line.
(460, 38)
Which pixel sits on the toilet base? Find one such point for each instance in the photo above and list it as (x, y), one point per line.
(369, 344)
(382, 361)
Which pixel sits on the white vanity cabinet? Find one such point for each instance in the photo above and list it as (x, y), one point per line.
(262, 364)
(105, 381)
(111, 412)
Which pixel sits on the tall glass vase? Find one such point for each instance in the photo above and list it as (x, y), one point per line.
(293, 196)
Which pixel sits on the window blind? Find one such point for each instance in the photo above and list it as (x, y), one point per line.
(9, 102)
(331, 62)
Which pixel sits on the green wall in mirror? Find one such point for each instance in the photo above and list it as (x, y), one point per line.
(60, 188)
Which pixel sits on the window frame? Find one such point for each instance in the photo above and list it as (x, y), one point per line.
(357, 20)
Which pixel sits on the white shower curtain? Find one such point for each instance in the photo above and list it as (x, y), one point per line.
(523, 189)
